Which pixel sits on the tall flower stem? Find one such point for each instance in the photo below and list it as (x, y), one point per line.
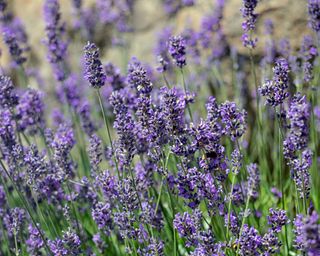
(230, 201)
(232, 186)
(280, 142)
(108, 132)
(15, 243)
(185, 92)
(244, 219)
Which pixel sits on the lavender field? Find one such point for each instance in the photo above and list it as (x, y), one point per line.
(197, 147)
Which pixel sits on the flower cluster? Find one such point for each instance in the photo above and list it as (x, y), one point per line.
(104, 160)
(249, 24)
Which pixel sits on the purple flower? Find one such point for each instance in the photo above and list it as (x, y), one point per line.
(309, 53)
(300, 171)
(68, 245)
(173, 106)
(57, 247)
(62, 144)
(233, 120)
(298, 116)
(15, 50)
(70, 92)
(307, 234)
(314, 14)
(125, 126)
(276, 192)
(271, 243)
(236, 161)
(7, 129)
(77, 4)
(101, 214)
(3, 200)
(35, 166)
(3, 5)
(188, 226)
(277, 219)
(138, 77)
(95, 152)
(171, 7)
(14, 220)
(161, 50)
(211, 35)
(72, 242)
(34, 242)
(177, 50)
(88, 126)
(253, 179)
(275, 90)
(94, 72)
(234, 226)
(187, 184)
(30, 112)
(154, 247)
(57, 48)
(249, 241)
(248, 25)
(113, 77)
(8, 96)
(108, 184)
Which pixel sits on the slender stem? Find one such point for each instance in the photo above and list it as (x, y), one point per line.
(108, 132)
(243, 220)
(185, 92)
(229, 204)
(73, 209)
(15, 243)
(280, 141)
(165, 80)
(254, 74)
(159, 196)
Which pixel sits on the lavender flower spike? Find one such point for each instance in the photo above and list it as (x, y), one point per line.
(57, 48)
(14, 48)
(93, 67)
(314, 14)
(177, 50)
(248, 25)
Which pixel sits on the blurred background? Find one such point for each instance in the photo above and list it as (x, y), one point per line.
(145, 20)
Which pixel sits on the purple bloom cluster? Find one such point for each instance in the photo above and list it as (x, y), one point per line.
(307, 233)
(298, 156)
(8, 96)
(177, 50)
(57, 48)
(249, 24)
(275, 90)
(163, 177)
(30, 111)
(314, 14)
(15, 50)
(173, 6)
(309, 53)
(188, 226)
(94, 72)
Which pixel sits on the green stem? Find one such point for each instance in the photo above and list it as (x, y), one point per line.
(15, 243)
(243, 220)
(185, 92)
(280, 141)
(108, 132)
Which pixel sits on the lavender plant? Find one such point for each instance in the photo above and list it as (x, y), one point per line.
(171, 159)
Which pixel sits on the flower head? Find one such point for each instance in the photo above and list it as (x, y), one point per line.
(94, 72)
(177, 50)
